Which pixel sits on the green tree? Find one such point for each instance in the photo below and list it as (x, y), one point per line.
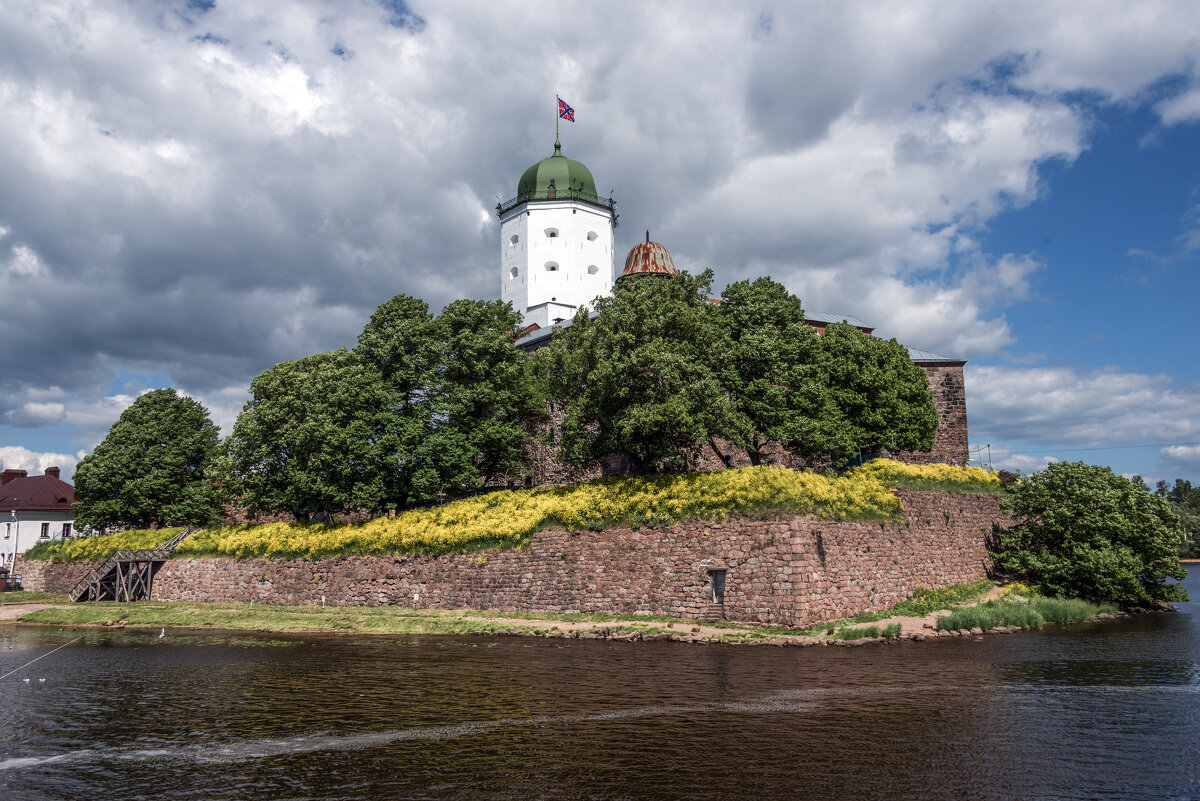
(487, 392)
(402, 343)
(1185, 502)
(882, 396)
(775, 376)
(156, 467)
(1080, 530)
(312, 439)
(639, 379)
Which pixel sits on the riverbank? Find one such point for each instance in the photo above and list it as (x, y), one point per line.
(888, 626)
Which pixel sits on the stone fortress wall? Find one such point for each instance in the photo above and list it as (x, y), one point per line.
(794, 571)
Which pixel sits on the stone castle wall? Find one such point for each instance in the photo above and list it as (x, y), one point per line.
(950, 398)
(794, 571)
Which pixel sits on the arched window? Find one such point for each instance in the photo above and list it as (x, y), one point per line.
(591, 236)
(515, 239)
(551, 266)
(551, 232)
(593, 269)
(514, 272)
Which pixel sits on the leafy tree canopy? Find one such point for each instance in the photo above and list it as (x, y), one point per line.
(641, 379)
(156, 467)
(1080, 530)
(882, 396)
(775, 374)
(402, 344)
(312, 438)
(1185, 502)
(487, 390)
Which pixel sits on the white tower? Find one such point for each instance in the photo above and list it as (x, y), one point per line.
(556, 241)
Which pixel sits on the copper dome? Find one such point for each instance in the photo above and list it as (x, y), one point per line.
(648, 258)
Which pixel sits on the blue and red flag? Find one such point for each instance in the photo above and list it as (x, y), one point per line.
(565, 112)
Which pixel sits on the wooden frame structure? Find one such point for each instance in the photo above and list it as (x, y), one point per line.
(127, 575)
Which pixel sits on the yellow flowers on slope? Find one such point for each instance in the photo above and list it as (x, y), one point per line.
(507, 518)
(932, 476)
(97, 549)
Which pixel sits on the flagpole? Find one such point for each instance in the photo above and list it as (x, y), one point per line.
(557, 101)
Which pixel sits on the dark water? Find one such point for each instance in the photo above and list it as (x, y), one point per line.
(1107, 711)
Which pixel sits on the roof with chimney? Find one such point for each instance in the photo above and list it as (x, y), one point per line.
(20, 492)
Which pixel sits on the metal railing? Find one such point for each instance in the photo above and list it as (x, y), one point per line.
(558, 194)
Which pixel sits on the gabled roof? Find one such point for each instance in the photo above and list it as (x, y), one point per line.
(36, 494)
(825, 318)
(924, 356)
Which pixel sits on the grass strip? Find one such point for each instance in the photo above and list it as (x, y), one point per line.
(1032, 612)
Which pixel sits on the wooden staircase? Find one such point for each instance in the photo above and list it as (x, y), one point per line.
(127, 575)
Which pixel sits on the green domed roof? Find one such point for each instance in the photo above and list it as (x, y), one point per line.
(566, 173)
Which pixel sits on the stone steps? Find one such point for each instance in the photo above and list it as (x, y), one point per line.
(713, 613)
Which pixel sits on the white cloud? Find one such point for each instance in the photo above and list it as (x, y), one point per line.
(1064, 413)
(200, 194)
(15, 457)
(1184, 107)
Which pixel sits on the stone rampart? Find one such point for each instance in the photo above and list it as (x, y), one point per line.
(795, 571)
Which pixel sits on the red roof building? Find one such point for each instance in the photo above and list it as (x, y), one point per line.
(33, 509)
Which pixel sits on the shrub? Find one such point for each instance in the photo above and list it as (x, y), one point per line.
(97, 549)
(932, 477)
(1081, 531)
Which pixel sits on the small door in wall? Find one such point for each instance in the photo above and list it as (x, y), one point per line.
(717, 577)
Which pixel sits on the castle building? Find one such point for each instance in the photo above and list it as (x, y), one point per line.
(556, 241)
(556, 245)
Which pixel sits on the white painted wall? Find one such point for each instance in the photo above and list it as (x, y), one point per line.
(19, 535)
(581, 258)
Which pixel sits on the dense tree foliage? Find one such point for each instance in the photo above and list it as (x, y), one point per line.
(402, 343)
(1185, 502)
(775, 375)
(1082, 531)
(313, 437)
(882, 397)
(661, 371)
(156, 467)
(486, 387)
(640, 379)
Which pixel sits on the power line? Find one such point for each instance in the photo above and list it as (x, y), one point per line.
(1099, 448)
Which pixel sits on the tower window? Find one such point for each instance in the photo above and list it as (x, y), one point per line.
(593, 269)
(551, 232)
(591, 236)
(551, 266)
(515, 239)
(514, 272)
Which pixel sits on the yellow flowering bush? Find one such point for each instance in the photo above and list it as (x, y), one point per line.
(97, 549)
(508, 518)
(943, 477)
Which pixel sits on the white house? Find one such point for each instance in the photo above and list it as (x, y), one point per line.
(33, 509)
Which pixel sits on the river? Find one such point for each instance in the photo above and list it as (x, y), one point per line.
(1103, 711)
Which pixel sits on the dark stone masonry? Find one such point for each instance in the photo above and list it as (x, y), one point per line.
(794, 571)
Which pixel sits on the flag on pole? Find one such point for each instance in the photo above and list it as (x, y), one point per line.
(565, 112)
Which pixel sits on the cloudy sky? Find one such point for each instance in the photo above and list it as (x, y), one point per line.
(194, 190)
